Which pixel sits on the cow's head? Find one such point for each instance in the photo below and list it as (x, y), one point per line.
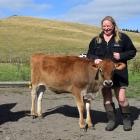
(105, 71)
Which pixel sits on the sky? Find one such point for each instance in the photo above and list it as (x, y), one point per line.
(125, 12)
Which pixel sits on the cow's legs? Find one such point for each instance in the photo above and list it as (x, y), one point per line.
(33, 98)
(40, 92)
(80, 106)
(88, 113)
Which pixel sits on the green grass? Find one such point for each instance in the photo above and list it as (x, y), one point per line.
(21, 72)
(14, 72)
(134, 85)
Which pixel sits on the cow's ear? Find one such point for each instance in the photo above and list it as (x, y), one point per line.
(120, 66)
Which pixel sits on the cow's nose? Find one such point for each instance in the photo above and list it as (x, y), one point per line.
(108, 83)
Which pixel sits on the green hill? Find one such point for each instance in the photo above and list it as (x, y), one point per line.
(22, 36)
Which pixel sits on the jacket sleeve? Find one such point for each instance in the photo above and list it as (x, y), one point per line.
(129, 49)
(91, 50)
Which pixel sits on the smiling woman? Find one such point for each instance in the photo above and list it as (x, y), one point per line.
(115, 45)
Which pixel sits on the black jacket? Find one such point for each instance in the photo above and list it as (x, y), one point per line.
(104, 50)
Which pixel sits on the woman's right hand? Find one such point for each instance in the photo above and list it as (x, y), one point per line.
(97, 61)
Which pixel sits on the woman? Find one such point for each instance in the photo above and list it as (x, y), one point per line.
(112, 44)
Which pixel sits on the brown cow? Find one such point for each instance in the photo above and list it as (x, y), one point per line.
(80, 76)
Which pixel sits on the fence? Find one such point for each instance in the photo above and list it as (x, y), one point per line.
(14, 72)
(15, 84)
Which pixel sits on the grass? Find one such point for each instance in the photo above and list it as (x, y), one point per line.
(134, 85)
(14, 72)
(21, 72)
(26, 34)
(23, 36)
(20, 37)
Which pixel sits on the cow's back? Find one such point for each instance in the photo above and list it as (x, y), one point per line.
(60, 72)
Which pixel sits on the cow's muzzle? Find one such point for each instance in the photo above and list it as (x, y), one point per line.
(108, 83)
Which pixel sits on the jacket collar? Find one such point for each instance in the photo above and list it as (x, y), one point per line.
(102, 33)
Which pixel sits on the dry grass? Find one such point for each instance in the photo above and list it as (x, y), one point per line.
(22, 36)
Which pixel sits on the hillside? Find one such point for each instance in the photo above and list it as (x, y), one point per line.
(22, 36)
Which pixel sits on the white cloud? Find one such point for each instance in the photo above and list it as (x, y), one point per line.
(95, 10)
(84, 11)
(14, 5)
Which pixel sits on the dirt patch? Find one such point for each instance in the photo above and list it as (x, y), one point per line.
(60, 120)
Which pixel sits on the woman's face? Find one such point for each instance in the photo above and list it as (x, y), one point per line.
(107, 27)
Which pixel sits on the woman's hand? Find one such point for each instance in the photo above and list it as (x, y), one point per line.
(116, 55)
(97, 61)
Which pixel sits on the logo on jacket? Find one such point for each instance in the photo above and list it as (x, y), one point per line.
(116, 45)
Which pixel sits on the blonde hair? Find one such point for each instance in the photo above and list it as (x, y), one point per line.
(116, 29)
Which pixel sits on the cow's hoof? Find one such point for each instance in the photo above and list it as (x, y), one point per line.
(82, 125)
(88, 127)
(34, 116)
(92, 128)
(40, 117)
(85, 128)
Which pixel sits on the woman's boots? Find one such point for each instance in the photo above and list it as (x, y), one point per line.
(127, 123)
(111, 116)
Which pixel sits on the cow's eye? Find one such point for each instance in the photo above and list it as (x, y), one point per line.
(100, 70)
